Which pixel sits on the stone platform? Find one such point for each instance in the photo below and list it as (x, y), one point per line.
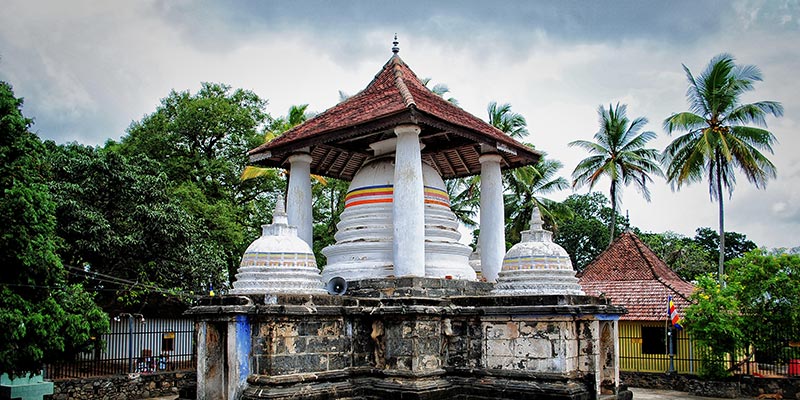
(407, 338)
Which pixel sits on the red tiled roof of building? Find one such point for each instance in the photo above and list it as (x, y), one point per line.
(394, 91)
(630, 274)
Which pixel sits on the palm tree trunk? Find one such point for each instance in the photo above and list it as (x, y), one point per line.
(613, 210)
(721, 223)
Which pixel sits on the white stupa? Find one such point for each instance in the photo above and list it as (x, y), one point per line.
(536, 265)
(363, 248)
(278, 262)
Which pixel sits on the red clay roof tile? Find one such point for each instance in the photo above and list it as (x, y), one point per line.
(630, 274)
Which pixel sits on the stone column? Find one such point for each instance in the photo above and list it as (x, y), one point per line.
(298, 199)
(211, 384)
(408, 206)
(492, 237)
(238, 353)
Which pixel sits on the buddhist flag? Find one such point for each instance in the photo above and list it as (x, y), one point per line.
(211, 290)
(673, 315)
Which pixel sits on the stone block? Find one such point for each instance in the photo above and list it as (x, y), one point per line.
(499, 348)
(533, 348)
(432, 346)
(285, 329)
(399, 347)
(499, 362)
(338, 361)
(308, 328)
(501, 330)
(327, 344)
(288, 345)
(330, 328)
(426, 363)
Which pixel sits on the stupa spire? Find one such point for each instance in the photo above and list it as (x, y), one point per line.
(279, 215)
(395, 47)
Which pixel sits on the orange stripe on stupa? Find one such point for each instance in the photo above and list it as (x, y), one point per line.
(385, 194)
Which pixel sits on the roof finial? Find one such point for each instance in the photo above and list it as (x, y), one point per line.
(395, 48)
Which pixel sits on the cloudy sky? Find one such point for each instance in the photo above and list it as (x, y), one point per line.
(88, 68)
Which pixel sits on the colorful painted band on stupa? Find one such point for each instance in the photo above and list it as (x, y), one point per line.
(385, 193)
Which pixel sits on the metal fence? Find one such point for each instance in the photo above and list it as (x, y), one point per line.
(133, 345)
(777, 357)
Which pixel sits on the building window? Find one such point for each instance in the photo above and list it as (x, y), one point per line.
(168, 341)
(654, 340)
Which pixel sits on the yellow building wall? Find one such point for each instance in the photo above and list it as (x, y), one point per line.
(686, 360)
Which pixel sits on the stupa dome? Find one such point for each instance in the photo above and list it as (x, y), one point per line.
(363, 247)
(536, 265)
(278, 262)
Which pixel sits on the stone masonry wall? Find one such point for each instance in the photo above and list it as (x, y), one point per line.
(288, 345)
(546, 345)
(734, 387)
(122, 387)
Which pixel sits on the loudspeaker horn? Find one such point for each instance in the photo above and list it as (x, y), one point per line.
(336, 286)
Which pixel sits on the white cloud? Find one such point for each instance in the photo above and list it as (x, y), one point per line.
(88, 68)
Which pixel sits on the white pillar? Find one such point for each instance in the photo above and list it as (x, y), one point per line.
(492, 237)
(408, 206)
(298, 198)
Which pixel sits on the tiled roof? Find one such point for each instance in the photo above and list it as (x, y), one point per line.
(396, 94)
(630, 274)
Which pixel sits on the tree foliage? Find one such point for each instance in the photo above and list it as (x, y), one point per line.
(618, 153)
(715, 320)
(200, 141)
(718, 140)
(136, 239)
(585, 234)
(736, 244)
(43, 318)
(758, 306)
(682, 254)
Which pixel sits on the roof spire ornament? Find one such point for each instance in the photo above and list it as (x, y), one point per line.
(395, 48)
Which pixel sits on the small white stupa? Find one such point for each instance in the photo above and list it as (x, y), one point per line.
(536, 265)
(278, 262)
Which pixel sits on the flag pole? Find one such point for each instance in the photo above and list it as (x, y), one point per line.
(669, 336)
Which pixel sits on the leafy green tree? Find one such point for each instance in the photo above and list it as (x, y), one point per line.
(200, 142)
(769, 294)
(715, 320)
(134, 240)
(682, 254)
(584, 235)
(43, 318)
(618, 153)
(717, 139)
(758, 306)
(736, 244)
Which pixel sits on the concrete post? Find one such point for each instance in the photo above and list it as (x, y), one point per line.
(492, 236)
(408, 206)
(298, 199)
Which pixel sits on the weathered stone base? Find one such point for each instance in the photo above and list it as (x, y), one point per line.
(374, 385)
(407, 338)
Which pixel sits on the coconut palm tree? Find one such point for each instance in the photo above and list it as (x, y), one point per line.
(619, 153)
(717, 138)
(525, 189)
(511, 123)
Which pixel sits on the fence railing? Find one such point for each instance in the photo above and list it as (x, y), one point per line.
(775, 358)
(133, 345)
